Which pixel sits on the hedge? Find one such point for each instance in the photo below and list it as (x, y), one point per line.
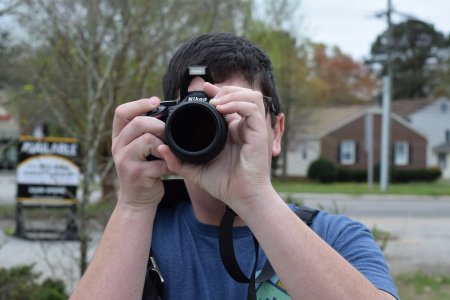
(326, 171)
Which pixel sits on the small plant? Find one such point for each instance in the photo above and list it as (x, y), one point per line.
(423, 286)
(381, 237)
(21, 283)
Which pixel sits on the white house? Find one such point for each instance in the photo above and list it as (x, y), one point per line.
(433, 119)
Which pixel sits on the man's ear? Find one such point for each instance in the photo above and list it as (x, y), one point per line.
(278, 134)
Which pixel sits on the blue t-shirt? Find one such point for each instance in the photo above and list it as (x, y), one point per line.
(187, 253)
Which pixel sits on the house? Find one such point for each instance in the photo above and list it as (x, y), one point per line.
(340, 135)
(432, 117)
(9, 132)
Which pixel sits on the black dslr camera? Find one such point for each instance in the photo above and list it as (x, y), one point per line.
(195, 131)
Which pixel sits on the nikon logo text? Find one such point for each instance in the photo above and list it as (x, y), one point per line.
(195, 98)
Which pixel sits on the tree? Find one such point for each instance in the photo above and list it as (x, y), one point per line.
(415, 51)
(289, 69)
(10, 51)
(440, 73)
(87, 57)
(343, 79)
(307, 74)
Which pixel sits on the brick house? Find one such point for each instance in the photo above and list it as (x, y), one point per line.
(339, 134)
(345, 145)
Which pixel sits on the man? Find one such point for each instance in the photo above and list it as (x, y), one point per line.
(335, 258)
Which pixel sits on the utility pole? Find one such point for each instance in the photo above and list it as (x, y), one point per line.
(368, 132)
(386, 117)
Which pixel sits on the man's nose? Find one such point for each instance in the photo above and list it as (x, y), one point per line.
(196, 84)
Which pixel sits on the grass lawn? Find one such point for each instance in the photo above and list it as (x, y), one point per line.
(421, 286)
(438, 188)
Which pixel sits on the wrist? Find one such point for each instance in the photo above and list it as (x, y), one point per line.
(136, 208)
(264, 199)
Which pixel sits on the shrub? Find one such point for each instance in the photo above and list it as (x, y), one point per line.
(322, 170)
(430, 174)
(351, 175)
(21, 283)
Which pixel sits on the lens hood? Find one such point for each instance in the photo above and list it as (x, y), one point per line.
(195, 131)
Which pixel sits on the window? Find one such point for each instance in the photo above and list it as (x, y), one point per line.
(401, 153)
(347, 152)
(442, 160)
(304, 153)
(444, 107)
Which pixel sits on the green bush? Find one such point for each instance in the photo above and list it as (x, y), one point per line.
(21, 283)
(322, 170)
(351, 175)
(396, 175)
(428, 175)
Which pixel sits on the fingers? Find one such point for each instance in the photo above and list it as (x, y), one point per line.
(128, 111)
(229, 94)
(210, 89)
(135, 128)
(143, 146)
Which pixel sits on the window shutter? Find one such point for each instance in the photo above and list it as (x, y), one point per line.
(339, 146)
(356, 152)
(410, 157)
(393, 154)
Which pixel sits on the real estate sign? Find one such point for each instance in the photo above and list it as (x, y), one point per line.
(47, 171)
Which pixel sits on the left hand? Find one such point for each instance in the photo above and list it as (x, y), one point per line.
(240, 174)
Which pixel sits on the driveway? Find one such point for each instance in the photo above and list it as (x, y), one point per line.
(419, 228)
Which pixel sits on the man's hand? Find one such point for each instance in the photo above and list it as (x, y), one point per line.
(134, 137)
(240, 174)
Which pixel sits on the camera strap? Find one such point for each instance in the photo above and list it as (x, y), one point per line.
(228, 255)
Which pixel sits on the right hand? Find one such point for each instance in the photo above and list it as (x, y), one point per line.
(134, 137)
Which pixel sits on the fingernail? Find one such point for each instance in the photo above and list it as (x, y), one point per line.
(214, 101)
(153, 101)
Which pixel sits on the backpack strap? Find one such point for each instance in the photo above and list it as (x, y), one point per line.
(154, 282)
(228, 256)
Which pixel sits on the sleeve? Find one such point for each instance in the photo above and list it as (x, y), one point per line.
(356, 244)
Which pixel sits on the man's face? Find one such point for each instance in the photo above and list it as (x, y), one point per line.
(274, 144)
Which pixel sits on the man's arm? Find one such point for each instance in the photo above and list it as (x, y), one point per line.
(240, 177)
(307, 266)
(117, 270)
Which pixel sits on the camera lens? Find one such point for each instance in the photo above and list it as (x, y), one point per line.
(196, 131)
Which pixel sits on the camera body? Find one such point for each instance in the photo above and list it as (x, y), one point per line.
(195, 131)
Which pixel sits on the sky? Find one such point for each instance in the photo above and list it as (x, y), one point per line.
(352, 25)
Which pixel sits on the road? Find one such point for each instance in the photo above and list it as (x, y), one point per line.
(403, 206)
(419, 228)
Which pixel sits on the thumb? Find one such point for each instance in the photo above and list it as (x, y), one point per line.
(174, 164)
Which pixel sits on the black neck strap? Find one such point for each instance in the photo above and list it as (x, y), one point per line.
(228, 256)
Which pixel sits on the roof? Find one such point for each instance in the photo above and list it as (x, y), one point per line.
(407, 107)
(317, 122)
(320, 119)
(442, 148)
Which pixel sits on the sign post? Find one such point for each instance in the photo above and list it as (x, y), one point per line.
(48, 175)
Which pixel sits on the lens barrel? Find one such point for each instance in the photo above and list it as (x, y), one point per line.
(196, 132)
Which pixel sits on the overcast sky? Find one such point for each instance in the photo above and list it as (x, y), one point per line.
(352, 25)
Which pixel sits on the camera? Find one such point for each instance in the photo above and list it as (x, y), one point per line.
(195, 131)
